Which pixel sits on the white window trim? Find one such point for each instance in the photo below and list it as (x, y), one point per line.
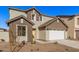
(34, 16)
(17, 29)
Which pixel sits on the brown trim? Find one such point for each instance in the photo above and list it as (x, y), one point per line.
(46, 23)
(18, 17)
(65, 16)
(52, 20)
(25, 10)
(16, 9)
(47, 15)
(30, 10)
(63, 22)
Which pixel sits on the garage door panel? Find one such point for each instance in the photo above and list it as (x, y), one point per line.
(56, 35)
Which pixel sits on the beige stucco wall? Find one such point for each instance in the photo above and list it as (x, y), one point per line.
(45, 18)
(14, 13)
(4, 35)
(13, 28)
(70, 24)
(42, 34)
(37, 24)
(76, 25)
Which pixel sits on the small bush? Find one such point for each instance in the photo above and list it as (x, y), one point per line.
(56, 42)
(37, 49)
(23, 42)
(31, 50)
(1, 50)
(67, 49)
(2, 40)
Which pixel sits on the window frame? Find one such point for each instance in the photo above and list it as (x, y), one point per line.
(17, 30)
(77, 21)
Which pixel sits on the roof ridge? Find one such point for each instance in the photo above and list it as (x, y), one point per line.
(17, 9)
(19, 17)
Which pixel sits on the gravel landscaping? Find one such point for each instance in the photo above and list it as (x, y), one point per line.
(48, 47)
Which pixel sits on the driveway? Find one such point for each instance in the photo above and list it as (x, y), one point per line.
(70, 43)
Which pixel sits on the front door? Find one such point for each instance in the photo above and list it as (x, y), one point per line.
(21, 33)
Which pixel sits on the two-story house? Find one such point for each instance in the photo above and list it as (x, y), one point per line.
(29, 25)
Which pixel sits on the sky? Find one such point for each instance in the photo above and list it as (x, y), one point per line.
(47, 10)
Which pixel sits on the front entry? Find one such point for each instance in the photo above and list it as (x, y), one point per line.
(21, 33)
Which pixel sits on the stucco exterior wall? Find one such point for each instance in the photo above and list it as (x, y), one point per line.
(12, 30)
(42, 34)
(71, 26)
(4, 35)
(45, 19)
(14, 13)
(56, 26)
(76, 25)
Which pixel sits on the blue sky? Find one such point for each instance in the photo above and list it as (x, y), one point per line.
(48, 10)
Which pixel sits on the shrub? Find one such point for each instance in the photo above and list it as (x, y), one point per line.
(2, 40)
(56, 42)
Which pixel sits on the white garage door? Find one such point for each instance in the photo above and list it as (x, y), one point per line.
(56, 35)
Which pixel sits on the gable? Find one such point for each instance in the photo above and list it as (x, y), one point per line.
(56, 25)
(19, 18)
(33, 12)
(14, 13)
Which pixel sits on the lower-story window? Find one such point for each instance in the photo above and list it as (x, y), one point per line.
(21, 31)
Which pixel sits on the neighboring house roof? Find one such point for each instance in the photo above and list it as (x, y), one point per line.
(18, 17)
(70, 17)
(3, 29)
(65, 15)
(51, 21)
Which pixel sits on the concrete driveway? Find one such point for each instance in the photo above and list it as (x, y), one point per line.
(70, 43)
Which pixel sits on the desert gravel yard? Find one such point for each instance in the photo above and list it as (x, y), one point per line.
(4, 47)
(48, 47)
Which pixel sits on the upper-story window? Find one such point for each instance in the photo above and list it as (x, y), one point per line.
(78, 21)
(33, 16)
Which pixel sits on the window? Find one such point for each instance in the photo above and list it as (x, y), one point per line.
(78, 21)
(40, 18)
(33, 16)
(21, 30)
